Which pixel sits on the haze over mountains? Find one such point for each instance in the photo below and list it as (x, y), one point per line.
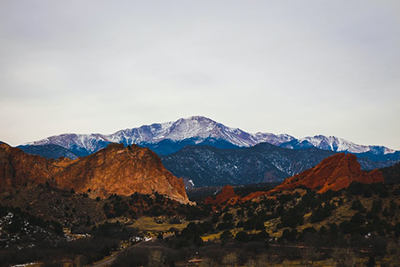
(169, 137)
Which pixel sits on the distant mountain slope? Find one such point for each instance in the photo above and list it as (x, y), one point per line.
(79, 144)
(167, 146)
(49, 151)
(170, 137)
(164, 147)
(209, 166)
(336, 144)
(191, 131)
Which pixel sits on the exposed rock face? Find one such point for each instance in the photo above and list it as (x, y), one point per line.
(16, 168)
(254, 196)
(227, 196)
(115, 169)
(333, 173)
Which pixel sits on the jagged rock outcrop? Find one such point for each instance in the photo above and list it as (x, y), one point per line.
(333, 173)
(113, 170)
(227, 196)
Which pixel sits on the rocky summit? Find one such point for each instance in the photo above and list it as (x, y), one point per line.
(333, 173)
(114, 170)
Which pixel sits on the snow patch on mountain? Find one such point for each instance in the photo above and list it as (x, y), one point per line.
(201, 128)
(341, 145)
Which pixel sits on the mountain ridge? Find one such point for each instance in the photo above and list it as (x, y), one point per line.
(197, 129)
(209, 166)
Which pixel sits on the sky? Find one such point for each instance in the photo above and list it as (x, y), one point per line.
(297, 67)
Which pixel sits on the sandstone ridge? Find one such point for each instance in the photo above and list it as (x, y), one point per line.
(113, 170)
(333, 173)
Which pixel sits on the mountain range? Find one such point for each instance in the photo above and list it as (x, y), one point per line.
(170, 137)
(334, 173)
(209, 166)
(207, 153)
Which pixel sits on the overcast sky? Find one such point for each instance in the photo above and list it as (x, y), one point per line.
(296, 67)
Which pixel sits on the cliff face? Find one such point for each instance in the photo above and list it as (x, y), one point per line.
(115, 169)
(333, 173)
(16, 167)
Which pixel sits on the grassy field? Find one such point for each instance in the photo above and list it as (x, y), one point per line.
(149, 224)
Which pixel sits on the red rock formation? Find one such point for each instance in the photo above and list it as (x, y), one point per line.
(333, 173)
(254, 196)
(16, 167)
(115, 169)
(227, 196)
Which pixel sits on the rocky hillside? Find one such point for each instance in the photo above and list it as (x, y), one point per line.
(392, 174)
(113, 170)
(333, 173)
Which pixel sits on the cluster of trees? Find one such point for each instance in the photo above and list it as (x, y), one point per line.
(368, 230)
(243, 250)
(19, 218)
(114, 231)
(369, 190)
(241, 228)
(151, 205)
(104, 238)
(84, 251)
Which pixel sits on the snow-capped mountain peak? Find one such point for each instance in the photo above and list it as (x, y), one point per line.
(341, 145)
(201, 128)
